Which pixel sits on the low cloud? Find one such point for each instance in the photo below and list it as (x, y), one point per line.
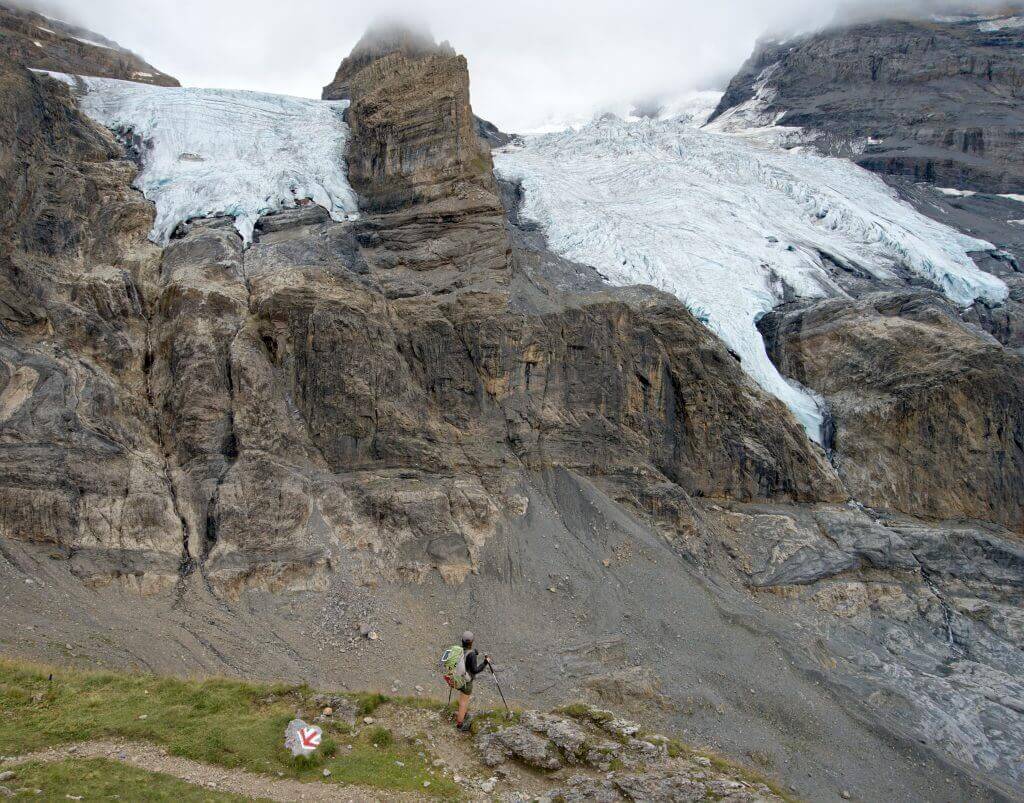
(532, 62)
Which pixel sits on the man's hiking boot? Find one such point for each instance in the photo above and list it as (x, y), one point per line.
(465, 726)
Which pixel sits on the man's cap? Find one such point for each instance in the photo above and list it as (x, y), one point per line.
(467, 636)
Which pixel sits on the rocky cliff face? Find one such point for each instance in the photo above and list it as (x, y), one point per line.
(81, 467)
(382, 40)
(936, 101)
(384, 382)
(42, 43)
(928, 412)
(414, 137)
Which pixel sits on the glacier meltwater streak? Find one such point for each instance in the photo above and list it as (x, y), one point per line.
(729, 223)
(225, 152)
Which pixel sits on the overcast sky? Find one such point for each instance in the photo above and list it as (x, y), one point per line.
(531, 62)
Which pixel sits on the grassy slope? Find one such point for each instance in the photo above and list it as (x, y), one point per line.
(96, 778)
(216, 721)
(222, 722)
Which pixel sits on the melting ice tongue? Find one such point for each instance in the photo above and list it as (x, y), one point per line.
(225, 152)
(727, 222)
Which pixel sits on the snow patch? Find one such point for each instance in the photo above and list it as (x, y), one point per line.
(226, 152)
(969, 193)
(730, 224)
(1001, 24)
(955, 192)
(690, 108)
(92, 42)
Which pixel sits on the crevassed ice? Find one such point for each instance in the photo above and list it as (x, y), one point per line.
(226, 152)
(725, 222)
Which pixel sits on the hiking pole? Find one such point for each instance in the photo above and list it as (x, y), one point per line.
(496, 683)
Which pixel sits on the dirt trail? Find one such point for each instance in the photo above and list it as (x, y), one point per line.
(249, 784)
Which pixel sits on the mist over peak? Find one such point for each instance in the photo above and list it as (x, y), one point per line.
(531, 65)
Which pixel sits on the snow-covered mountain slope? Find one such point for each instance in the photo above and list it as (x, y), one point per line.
(224, 152)
(727, 222)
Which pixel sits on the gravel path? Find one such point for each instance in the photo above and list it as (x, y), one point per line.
(241, 782)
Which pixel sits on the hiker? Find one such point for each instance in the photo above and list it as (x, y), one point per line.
(460, 665)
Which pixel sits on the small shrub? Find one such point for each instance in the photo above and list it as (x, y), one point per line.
(676, 748)
(369, 702)
(328, 747)
(379, 736)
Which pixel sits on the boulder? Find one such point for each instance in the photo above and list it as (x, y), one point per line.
(520, 743)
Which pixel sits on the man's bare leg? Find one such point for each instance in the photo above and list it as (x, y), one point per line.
(463, 709)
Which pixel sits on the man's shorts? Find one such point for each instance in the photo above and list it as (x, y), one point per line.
(468, 688)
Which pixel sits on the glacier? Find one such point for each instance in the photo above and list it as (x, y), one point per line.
(225, 152)
(730, 223)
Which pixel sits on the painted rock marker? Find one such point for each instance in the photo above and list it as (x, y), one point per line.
(301, 738)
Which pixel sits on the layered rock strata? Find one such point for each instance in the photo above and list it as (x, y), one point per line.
(937, 100)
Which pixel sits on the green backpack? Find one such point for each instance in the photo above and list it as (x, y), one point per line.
(453, 667)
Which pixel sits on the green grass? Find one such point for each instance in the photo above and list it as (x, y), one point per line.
(491, 719)
(583, 711)
(368, 702)
(97, 778)
(217, 721)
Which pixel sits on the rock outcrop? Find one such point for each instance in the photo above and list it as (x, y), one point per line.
(81, 470)
(414, 137)
(928, 412)
(937, 101)
(42, 43)
(921, 621)
(380, 40)
(632, 765)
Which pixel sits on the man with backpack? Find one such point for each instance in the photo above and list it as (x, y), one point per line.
(460, 665)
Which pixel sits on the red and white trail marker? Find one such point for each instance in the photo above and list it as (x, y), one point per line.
(310, 737)
(301, 738)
